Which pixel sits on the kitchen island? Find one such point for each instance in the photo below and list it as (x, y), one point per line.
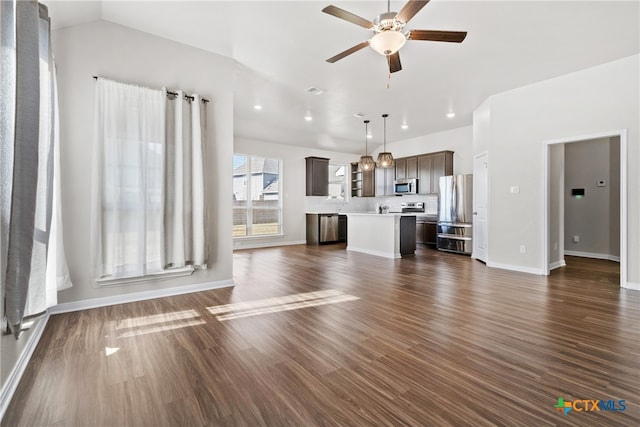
(391, 235)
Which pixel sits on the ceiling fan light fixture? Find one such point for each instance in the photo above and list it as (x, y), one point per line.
(387, 42)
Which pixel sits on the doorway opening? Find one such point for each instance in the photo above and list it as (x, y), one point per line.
(585, 201)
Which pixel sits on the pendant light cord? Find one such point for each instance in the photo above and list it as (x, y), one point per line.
(366, 136)
(384, 116)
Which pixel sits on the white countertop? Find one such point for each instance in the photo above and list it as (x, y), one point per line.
(390, 214)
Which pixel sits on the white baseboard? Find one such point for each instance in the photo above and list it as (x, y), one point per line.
(376, 253)
(67, 307)
(518, 268)
(11, 384)
(258, 245)
(557, 264)
(632, 286)
(593, 255)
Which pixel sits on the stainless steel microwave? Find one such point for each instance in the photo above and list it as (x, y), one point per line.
(405, 186)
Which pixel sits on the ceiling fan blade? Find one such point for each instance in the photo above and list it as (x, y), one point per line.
(348, 16)
(348, 52)
(394, 62)
(410, 9)
(437, 36)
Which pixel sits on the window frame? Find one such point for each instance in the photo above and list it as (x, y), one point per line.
(249, 200)
(343, 182)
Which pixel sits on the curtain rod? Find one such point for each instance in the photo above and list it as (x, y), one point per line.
(190, 98)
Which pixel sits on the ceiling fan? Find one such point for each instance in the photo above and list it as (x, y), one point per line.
(388, 32)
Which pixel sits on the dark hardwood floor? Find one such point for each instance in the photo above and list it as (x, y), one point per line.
(313, 336)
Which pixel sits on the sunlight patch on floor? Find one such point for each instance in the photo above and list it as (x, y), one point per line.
(278, 304)
(158, 322)
(110, 350)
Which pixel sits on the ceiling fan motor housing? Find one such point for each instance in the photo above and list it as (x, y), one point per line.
(387, 21)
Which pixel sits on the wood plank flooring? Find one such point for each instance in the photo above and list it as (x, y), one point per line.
(316, 336)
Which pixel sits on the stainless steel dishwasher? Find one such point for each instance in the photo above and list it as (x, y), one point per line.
(326, 228)
(329, 228)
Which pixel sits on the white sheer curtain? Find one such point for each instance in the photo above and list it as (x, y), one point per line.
(148, 186)
(128, 168)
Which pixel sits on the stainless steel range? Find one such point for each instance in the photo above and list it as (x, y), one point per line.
(407, 207)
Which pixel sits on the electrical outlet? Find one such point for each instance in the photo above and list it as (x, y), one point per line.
(576, 239)
(523, 249)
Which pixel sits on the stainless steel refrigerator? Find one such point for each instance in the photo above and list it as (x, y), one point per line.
(455, 231)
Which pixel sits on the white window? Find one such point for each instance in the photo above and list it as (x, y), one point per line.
(336, 181)
(257, 201)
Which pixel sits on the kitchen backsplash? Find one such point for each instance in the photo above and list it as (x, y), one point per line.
(355, 204)
(365, 204)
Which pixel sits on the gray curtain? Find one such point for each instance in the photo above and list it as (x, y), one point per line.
(26, 155)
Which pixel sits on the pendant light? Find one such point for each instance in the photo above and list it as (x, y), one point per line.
(366, 161)
(385, 159)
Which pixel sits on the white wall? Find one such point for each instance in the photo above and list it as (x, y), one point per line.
(601, 99)
(590, 217)
(294, 202)
(459, 140)
(112, 51)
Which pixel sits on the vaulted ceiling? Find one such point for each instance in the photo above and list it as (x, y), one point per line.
(281, 48)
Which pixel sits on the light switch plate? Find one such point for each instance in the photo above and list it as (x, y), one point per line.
(602, 183)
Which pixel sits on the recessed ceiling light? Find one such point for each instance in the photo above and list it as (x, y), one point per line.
(257, 107)
(451, 115)
(308, 117)
(369, 136)
(404, 126)
(358, 115)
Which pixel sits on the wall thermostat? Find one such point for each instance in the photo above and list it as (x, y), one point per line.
(577, 192)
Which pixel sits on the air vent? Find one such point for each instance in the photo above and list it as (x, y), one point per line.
(315, 90)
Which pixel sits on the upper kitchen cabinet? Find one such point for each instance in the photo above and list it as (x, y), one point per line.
(317, 176)
(406, 167)
(431, 167)
(362, 182)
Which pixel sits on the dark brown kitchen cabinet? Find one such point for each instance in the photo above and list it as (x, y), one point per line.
(426, 230)
(430, 233)
(430, 168)
(412, 167)
(424, 173)
(362, 182)
(401, 168)
(406, 167)
(317, 176)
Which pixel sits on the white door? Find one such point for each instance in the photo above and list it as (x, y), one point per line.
(480, 205)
